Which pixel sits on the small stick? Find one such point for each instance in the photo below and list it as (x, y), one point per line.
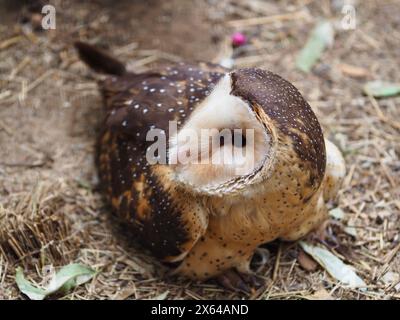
(4, 127)
(19, 67)
(368, 39)
(5, 94)
(39, 80)
(144, 61)
(277, 261)
(381, 115)
(389, 257)
(269, 19)
(387, 174)
(9, 42)
(126, 49)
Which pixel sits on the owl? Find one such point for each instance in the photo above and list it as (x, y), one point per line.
(207, 218)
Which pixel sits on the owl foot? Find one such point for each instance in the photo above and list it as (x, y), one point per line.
(239, 281)
(325, 234)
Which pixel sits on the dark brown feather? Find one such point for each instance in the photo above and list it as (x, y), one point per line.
(138, 193)
(292, 115)
(99, 60)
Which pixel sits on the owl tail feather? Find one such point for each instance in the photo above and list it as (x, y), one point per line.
(99, 60)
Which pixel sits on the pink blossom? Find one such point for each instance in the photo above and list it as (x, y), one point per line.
(238, 39)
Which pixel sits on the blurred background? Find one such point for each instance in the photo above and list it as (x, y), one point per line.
(343, 56)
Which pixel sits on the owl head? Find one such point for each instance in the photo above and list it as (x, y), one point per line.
(254, 119)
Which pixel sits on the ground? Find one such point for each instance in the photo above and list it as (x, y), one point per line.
(51, 212)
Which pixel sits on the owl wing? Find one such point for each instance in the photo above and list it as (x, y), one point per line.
(164, 217)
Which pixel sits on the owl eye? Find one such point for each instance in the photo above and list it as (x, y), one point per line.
(237, 139)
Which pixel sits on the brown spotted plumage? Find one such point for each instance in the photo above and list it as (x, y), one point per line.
(204, 217)
(167, 220)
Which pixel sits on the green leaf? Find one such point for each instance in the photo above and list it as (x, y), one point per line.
(333, 265)
(381, 89)
(321, 37)
(69, 277)
(63, 281)
(34, 293)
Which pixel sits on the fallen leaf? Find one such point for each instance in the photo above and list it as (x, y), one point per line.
(381, 89)
(33, 293)
(70, 277)
(64, 280)
(353, 71)
(161, 296)
(389, 278)
(351, 231)
(333, 265)
(306, 262)
(337, 213)
(321, 37)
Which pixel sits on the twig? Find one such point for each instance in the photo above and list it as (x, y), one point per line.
(269, 19)
(381, 115)
(19, 67)
(6, 129)
(9, 42)
(277, 261)
(39, 80)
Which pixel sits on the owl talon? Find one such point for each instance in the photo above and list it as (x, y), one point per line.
(254, 281)
(324, 234)
(238, 281)
(231, 280)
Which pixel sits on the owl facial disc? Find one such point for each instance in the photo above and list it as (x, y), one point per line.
(222, 146)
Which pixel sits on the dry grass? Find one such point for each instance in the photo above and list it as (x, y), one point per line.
(50, 211)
